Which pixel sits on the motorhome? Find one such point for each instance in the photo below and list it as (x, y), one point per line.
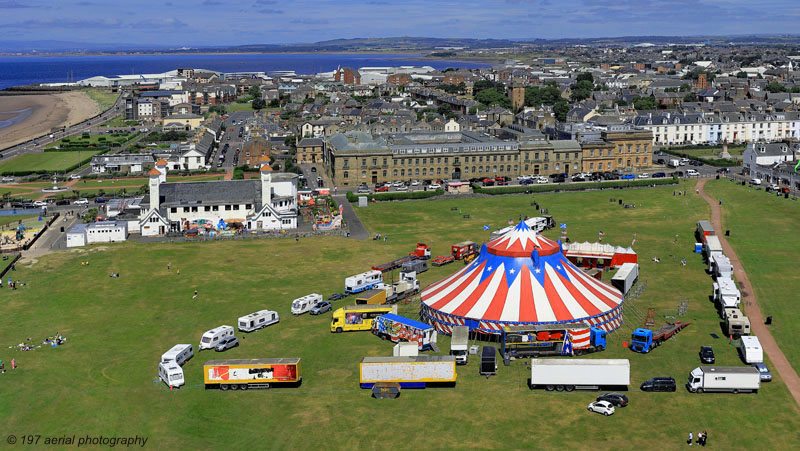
(179, 354)
(736, 323)
(211, 338)
(726, 294)
(305, 303)
(258, 320)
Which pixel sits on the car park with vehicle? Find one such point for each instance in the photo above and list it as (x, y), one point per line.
(763, 372)
(321, 308)
(81, 201)
(707, 354)
(603, 407)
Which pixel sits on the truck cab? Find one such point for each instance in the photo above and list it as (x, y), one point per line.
(641, 340)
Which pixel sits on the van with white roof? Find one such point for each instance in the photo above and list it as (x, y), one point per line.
(211, 338)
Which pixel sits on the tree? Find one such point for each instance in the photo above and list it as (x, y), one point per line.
(259, 104)
(621, 102)
(691, 97)
(275, 103)
(774, 87)
(90, 215)
(685, 88)
(741, 74)
(581, 90)
(220, 109)
(445, 110)
(254, 91)
(492, 96)
(585, 76)
(644, 103)
(536, 96)
(480, 85)
(560, 109)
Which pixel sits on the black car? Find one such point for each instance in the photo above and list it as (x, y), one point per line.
(578, 178)
(617, 399)
(659, 175)
(99, 200)
(337, 296)
(313, 169)
(658, 384)
(706, 354)
(559, 179)
(62, 202)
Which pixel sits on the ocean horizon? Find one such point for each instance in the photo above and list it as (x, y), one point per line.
(26, 70)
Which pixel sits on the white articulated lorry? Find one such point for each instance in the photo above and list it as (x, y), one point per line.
(586, 374)
(732, 379)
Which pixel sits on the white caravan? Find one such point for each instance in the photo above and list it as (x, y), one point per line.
(213, 336)
(750, 349)
(179, 354)
(258, 320)
(305, 303)
(170, 373)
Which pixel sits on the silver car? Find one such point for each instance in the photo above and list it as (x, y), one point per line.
(227, 343)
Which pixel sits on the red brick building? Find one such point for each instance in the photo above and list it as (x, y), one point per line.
(399, 79)
(348, 76)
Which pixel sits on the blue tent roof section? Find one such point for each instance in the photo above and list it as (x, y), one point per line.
(407, 321)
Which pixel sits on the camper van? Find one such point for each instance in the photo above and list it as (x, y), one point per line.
(258, 320)
(305, 303)
(170, 373)
(212, 337)
(362, 282)
(726, 294)
(750, 349)
(179, 354)
(735, 322)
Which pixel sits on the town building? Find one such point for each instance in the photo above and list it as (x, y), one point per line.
(97, 232)
(310, 150)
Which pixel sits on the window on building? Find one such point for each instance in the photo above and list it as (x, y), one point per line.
(374, 161)
(384, 161)
(403, 172)
(248, 206)
(207, 208)
(416, 172)
(384, 172)
(591, 166)
(608, 168)
(394, 173)
(363, 174)
(345, 174)
(558, 156)
(591, 153)
(438, 170)
(227, 208)
(215, 208)
(363, 162)
(194, 209)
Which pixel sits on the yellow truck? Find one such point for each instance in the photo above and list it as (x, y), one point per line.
(235, 374)
(358, 317)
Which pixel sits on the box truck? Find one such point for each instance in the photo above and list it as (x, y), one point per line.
(704, 229)
(409, 372)
(362, 282)
(179, 354)
(212, 337)
(258, 320)
(736, 323)
(720, 267)
(674, 162)
(358, 317)
(712, 247)
(171, 373)
(626, 277)
(373, 296)
(242, 374)
(398, 328)
(459, 342)
(305, 303)
(585, 374)
(750, 349)
(732, 379)
(726, 294)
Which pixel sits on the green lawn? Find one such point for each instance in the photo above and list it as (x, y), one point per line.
(233, 107)
(97, 140)
(15, 190)
(104, 99)
(45, 161)
(5, 220)
(103, 379)
(762, 234)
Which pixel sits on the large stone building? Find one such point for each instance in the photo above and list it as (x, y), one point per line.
(310, 150)
(634, 147)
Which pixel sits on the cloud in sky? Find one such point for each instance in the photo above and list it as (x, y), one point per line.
(218, 22)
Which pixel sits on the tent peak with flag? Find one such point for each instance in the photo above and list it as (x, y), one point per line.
(520, 278)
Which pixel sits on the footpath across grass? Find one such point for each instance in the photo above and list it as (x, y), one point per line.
(104, 380)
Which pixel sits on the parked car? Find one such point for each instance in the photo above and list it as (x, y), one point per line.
(227, 343)
(755, 181)
(658, 384)
(603, 407)
(692, 173)
(99, 200)
(559, 179)
(435, 186)
(541, 180)
(313, 169)
(707, 354)
(617, 399)
(401, 188)
(40, 203)
(501, 182)
(321, 308)
(397, 184)
(526, 182)
(62, 202)
(488, 182)
(659, 175)
(644, 175)
(74, 177)
(415, 183)
(381, 189)
(82, 201)
(337, 296)
(772, 187)
(766, 376)
(8, 179)
(628, 176)
(578, 178)
(363, 190)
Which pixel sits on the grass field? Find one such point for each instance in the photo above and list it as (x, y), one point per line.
(5, 220)
(13, 191)
(103, 378)
(45, 161)
(763, 237)
(104, 99)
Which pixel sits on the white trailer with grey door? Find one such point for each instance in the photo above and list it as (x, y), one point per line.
(750, 349)
(731, 379)
(712, 247)
(586, 374)
(626, 277)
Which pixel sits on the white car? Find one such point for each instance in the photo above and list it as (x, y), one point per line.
(397, 184)
(82, 201)
(74, 177)
(401, 188)
(542, 180)
(645, 175)
(415, 183)
(692, 173)
(604, 407)
(40, 203)
(434, 186)
(8, 179)
(755, 181)
(523, 177)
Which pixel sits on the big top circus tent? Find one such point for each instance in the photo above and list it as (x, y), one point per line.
(520, 278)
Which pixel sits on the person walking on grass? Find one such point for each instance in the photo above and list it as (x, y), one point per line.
(690, 442)
(195, 294)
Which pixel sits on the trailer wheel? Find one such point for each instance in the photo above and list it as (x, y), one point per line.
(550, 387)
(244, 387)
(223, 387)
(735, 391)
(559, 388)
(266, 386)
(234, 387)
(570, 387)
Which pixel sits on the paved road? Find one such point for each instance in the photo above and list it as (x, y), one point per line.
(38, 144)
(356, 228)
(779, 361)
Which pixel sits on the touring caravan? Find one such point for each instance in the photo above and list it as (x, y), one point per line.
(305, 303)
(179, 354)
(212, 337)
(171, 374)
(362, 282)
(258, 320)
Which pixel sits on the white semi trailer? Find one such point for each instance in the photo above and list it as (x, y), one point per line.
(732, 379)
(586, 374)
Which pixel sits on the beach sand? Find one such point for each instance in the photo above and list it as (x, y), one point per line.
(41, 113)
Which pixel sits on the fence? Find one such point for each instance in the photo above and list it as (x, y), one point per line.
(180, 238)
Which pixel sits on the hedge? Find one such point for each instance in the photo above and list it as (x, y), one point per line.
(718, 162)
(395, 195)
(573, 186)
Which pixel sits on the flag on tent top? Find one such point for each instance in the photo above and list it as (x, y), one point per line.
(510, 222)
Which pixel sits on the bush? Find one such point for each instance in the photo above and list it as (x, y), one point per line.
(395, 196)
(573, 186)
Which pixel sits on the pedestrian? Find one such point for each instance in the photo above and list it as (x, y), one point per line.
(169, 266)
(690, 442)
(195, 294)
(13, 364)
(673, 193)
(720, 201)
(697, 190)
(705, 438)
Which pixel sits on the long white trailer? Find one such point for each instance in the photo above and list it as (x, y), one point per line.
(712, 247)
(408, 371)
(626, 276)
(733, 379)
(586, 374)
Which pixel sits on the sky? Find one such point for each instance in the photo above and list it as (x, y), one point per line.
(232, 22)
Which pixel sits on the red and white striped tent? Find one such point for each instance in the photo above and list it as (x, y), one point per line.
(520, 278)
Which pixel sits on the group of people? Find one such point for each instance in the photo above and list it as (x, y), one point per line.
(3, 366)
(13, 284)
(702, 437)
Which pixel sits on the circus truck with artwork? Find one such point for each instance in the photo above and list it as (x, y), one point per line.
(408, 371)
(241, 374)
(551, 339)
(358, 317)
(401, 329)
